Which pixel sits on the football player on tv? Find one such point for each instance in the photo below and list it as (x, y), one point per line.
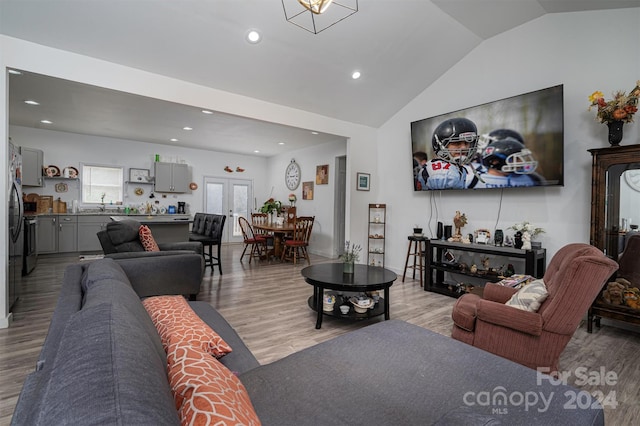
(508, 164)
(420, 159)
(454, 142)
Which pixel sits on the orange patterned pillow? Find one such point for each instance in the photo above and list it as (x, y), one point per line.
(174, 319)
(205, 391)
(147, 240)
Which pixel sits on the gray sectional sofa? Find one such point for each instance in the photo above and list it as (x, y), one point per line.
(102, 363)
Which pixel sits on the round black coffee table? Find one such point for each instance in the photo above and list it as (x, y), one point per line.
(364, 278)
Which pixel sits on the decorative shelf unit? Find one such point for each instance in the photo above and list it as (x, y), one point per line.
(377, 230)
(436, 264)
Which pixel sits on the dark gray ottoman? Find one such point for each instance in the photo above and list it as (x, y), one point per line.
(396, 373)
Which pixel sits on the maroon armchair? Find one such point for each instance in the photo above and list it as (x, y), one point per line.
(573, 279)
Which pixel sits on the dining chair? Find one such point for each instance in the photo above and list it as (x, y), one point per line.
(296, 247)
(289, 213)
(256, 243)
(258, 219)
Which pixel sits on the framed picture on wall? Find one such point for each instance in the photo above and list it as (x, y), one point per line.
(362, 181)
(139, 175)
(307, 190)
(322, 174)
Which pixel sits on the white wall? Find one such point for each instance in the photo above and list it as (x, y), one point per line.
(322, 205)
(585, 52)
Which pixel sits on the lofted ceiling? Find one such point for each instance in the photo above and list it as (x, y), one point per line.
(399, 46)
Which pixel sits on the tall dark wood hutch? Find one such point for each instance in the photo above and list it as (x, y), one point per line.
(610, 166)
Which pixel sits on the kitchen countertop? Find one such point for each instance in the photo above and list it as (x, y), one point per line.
(160, 218)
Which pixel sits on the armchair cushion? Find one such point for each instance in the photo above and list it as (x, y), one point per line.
(529, 297)
(124, 235)
(147, 240)
(498, 293)
(464, 311)
(503, 316)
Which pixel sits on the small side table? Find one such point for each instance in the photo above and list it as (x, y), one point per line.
(417, 249)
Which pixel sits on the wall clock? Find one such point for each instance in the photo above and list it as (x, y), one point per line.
(633, 178)
(292, 175)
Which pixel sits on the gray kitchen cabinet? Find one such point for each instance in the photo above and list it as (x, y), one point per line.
(88, 228)
(67, 233)
(32, 162)
(47, 234)
(57, 234)
(171, 177)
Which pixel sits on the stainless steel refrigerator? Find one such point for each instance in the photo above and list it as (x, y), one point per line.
(16, 221)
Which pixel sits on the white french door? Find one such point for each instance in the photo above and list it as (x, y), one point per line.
(230, 197)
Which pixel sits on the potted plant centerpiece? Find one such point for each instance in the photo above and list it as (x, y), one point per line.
(272, 208)
(350, 256)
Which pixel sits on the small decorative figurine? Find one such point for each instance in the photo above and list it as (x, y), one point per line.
(459, 221)
(526, 241)
(498, 237)
(485, 263)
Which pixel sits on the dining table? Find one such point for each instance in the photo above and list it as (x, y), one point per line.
(279, 232)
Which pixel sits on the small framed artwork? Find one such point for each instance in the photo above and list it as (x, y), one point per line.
(322, 174)
(139, 175)
(307, 190)
(362, 181)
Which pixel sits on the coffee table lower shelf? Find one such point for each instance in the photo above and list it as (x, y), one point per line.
(377, 310)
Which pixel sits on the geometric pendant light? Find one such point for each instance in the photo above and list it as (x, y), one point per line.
(318, 15)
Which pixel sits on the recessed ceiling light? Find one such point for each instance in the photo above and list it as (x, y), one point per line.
(315, 133)
(253, 36)
(355, 75)
(15, 72)
(46, 122)
(280, 143)
(206, 111)
(28, 102)
(256, 151)
(174, 140)
(187, 128)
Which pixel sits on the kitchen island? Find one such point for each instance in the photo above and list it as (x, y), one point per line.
(166, 228)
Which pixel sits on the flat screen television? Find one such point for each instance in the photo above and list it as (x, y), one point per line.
(517, 142)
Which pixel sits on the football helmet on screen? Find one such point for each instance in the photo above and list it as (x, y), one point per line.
(496, 135)
(509, 155)
(455, 130)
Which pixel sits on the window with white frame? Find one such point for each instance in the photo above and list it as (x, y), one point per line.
(102, 184)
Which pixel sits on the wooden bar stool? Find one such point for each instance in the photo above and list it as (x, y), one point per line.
(417, 249)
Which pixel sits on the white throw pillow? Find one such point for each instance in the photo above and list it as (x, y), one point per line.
(529, 297)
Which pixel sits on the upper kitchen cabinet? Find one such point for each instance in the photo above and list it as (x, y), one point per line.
(32, 162)
(171, 177)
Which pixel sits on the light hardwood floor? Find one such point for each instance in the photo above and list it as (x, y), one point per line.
(267, 305)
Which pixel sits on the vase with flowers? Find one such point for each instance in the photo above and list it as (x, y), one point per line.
(292, 199)
(524, 232)
(350, 256)
(616, 112)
